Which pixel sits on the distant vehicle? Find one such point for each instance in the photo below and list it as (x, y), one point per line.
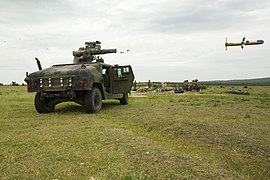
(87, 81)
(243, 43)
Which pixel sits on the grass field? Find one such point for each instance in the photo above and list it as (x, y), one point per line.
(207, 135)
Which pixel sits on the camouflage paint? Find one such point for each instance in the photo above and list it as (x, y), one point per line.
(65, 77)
(67, 82)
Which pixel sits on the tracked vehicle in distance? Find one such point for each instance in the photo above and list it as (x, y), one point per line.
(87, 81)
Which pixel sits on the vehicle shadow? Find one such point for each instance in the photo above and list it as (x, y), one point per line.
(110, 105)
(71, 108)
(76, 108)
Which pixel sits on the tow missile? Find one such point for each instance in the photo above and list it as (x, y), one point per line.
(243, 43)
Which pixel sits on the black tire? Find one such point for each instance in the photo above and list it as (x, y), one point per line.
(124, 99)
(92, 101)
(43, 106)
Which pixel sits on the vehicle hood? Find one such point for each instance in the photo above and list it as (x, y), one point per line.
(66, 70)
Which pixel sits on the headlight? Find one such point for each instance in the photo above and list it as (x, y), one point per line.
(40, 83)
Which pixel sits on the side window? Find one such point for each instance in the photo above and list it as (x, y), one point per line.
(125, 69)
(119, 73)
(104, 71)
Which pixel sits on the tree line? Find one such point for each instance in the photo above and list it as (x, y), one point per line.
(13, 83)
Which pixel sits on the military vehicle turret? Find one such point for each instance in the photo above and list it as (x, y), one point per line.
(87, 81)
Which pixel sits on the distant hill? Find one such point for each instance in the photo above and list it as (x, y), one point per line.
(251, 82)
(235, 82)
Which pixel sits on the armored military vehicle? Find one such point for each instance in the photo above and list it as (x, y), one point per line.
(87, 81)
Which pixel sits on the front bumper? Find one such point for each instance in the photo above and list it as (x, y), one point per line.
(49, 84)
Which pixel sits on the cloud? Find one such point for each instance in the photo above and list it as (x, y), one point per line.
(169, 40)
(201, 15)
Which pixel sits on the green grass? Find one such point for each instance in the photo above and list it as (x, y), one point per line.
(207, 135)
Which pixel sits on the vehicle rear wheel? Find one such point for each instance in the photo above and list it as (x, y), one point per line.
(43, 105)
(124, 99)
(92, 101)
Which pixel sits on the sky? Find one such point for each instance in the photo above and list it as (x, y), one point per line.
(168, 40)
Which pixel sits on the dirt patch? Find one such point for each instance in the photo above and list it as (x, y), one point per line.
(137, 95)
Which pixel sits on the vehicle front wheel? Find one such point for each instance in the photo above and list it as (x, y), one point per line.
(43, 105)
(124, 99)
(92, 101)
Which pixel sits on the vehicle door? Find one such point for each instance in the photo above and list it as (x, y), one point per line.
(122, 79)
